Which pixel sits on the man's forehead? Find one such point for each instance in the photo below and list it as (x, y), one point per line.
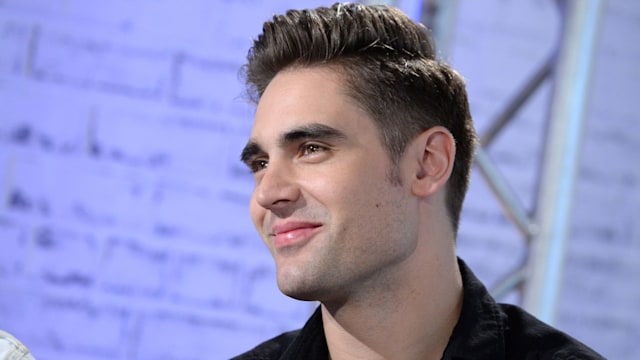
(297, 97)
(303, 78)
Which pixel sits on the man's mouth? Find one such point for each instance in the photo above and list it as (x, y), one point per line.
(293, 233)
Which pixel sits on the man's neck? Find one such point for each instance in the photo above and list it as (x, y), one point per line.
(412, 319)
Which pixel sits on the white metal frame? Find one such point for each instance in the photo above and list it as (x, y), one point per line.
(545, 228)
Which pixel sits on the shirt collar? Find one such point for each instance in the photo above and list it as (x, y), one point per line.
(311, 342)
(479, 333)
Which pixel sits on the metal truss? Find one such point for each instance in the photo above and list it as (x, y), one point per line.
(545, 227)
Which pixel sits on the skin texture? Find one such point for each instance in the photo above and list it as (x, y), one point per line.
(378, 255)
(339, 186)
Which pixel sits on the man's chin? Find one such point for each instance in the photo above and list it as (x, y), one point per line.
(299, 294)
(299, 290)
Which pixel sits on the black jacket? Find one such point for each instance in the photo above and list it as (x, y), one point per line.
(485, 330)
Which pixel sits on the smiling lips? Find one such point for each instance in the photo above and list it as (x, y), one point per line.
(293, 233)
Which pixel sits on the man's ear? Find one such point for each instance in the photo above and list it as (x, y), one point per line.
(436, 151)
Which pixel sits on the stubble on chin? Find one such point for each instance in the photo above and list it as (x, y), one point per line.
(297, 290)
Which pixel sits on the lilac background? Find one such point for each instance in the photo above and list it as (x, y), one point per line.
(124, 228)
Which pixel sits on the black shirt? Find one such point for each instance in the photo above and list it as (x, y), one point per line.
(485, 330)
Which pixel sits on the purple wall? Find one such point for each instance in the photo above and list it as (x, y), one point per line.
(124, 227)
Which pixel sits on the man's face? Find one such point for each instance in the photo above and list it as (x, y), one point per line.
(323, 203)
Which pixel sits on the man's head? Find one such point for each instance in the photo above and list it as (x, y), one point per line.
(391, 71)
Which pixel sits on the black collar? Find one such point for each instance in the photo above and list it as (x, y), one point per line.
(479, 333)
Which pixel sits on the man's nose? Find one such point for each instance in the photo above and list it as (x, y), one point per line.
(277, 188)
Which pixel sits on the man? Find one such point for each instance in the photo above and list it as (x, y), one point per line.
(361, 149)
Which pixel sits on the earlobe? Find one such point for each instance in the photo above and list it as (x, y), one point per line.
(436, 154)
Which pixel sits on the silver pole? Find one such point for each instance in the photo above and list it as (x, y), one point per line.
(562, 156)
(508, 199)
(441, 18)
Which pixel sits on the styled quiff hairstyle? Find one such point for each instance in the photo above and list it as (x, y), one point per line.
(390, 70)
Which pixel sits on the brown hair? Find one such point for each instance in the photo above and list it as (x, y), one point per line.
(391, 71)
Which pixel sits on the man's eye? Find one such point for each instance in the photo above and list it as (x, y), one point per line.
(258, 165)
(309, 149)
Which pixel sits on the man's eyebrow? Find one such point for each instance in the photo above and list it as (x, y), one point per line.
(249, 151)
(311, 131)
